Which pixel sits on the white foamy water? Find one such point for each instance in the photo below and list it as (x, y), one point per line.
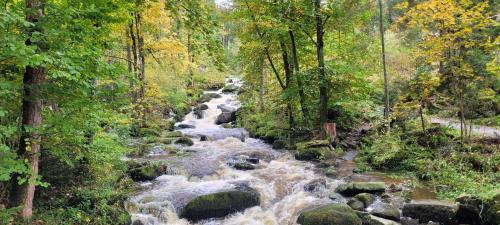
(279, 178)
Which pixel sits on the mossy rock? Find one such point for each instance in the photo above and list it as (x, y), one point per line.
(219, 204)
(171, 134)
(430, 210)
(279, 144)
(356, 204)
(332, 214)
(145, 171)
(366, 198)
(354, 188)
(230, 88)
(166, 141)
(312, 150)
(151, 139)
(207, 97)
(184, 141)
(492, 214)
(386, 211)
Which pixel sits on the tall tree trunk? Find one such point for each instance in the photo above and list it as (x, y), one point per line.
(421, 111)
(190, 59)
(288, 76)
(296, 67)
(29, 147)
(323, 87)
(134, 55)
(261, 82)
(129, 62)
(140, 45)
(386, 92)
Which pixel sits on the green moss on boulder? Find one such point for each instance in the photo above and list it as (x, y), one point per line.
(312, 150)
(171, 134)
(354, 188)
(219, 204)
(184, 141)
(332, 214)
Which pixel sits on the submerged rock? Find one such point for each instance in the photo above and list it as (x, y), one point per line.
(332, 214)
(185, 126)
(315, 185)
(361, 187)
(184, 141)
(435, 211)
(244, 166)
(219, 204)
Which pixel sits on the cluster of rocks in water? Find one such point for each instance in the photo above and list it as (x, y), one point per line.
(369, 204)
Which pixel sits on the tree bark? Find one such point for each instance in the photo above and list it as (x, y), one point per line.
(261, 82)
(140, 45)
(323, 87)
(190, 59)
(296, 67)
(288, 76)
(134, 55)
(29, 147)
(386, 92)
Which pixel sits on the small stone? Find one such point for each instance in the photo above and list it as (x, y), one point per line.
(253, 160)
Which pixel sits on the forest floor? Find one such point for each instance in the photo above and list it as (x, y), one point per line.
(476, 129)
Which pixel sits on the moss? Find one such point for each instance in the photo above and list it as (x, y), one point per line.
(169, 134)
(361, 187)
(219, 204)
(332, 214)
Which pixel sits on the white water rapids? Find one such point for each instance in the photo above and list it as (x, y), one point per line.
(279, 178)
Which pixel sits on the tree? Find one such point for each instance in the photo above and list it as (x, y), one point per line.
(323, 86)
(23, 192)
(386, 93)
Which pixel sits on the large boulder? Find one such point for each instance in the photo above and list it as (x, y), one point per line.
(469, 210)
(226, 108)
(332, 214)
(354, 188)
(436, 211)
(226, 117)
(207, 97)
(219, 204)
(312, 150)
(366, 198)
(386, 211)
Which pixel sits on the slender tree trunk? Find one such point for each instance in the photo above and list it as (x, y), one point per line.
(29, 147)
(463, 125)
(421, 110)
(323, 89)
(386, 92)
(261, 82)
(190, 59)
(140, 45)
(134, 55)
(288, 76)
(129, 63)
(302, 96)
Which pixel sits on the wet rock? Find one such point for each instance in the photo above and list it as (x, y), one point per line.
(492, 212)
(315, 185)
(244, 166)
(145, 171)
(332, 214)
(185, 126)
(408, 221)
(208, 96)
(354, 188)
(252, 160)
(366, 198)
(279, 144)
(226, 108)
(203, 138)
(230, 88)
(219, 204)
(395, 188)
(138, 222)
(469, 210)
(312, 150)
(356, 204)
(226, 117)
(171, 134)
(202, 107)
(426, 211)
(369, 220)
(198, 113)
(184, 141)
(331, 172)
(386, 211)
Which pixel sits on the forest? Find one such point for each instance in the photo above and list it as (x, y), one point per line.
(249, 112)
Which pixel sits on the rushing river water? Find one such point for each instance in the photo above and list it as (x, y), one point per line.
(279, 178)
